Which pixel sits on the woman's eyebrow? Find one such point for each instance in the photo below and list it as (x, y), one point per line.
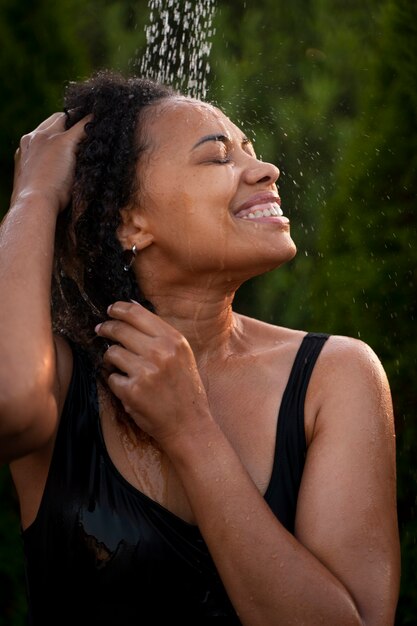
(223, 138)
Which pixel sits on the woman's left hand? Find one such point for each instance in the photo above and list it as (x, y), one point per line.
(157, 380)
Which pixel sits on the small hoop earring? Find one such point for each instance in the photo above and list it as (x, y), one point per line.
(129, 257)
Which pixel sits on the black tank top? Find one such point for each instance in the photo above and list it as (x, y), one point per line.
(102, 553)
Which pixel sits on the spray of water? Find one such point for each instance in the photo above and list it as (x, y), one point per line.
(178, 44)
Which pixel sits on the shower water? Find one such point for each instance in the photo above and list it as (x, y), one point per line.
(178, 44)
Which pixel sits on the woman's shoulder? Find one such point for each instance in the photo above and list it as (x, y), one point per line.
(349, 385)
(345, 364)
(351, 357)
(339, 351)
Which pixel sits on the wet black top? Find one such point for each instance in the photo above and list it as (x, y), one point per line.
(100, 552)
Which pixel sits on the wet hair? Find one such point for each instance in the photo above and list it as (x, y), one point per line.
(90, 266)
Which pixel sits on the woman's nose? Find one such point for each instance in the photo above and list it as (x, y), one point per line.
(261, 172)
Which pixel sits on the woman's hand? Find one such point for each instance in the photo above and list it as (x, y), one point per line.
(45, 161)
(158, 384)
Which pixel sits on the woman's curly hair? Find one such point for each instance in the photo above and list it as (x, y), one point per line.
(90, 268)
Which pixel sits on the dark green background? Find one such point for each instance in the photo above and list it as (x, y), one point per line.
(328, 91)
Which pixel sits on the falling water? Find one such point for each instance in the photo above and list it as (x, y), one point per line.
(178, 44)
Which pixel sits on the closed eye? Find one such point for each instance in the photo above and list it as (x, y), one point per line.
(222, 161)
(225, 146)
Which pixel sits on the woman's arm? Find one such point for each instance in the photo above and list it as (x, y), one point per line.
(347, 514)
(342, 567)
(29, 383)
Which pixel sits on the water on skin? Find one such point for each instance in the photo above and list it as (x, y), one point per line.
(148, 463)
(178, 44)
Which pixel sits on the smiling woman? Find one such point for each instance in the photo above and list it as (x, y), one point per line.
(174, 460)
(201, 178)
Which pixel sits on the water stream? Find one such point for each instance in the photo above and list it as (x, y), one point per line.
(178, 44)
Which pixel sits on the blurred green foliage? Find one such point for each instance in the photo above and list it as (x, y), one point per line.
(327, 91)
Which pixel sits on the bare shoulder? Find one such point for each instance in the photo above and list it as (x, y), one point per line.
(342, 351)
(349, 390)
(350, 366)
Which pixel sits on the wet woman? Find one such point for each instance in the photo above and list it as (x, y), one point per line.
(177, 462)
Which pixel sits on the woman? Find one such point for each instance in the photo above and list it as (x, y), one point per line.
(176, 461)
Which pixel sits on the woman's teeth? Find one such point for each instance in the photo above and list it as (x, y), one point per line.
(274, 210)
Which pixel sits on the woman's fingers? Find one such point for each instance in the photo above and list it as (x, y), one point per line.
(123, 360)
(120, 385)
(133, 326)
(58, 117)
(56, 123)
(78, 129)
(144, 333)
(125, 334)
(138, 316)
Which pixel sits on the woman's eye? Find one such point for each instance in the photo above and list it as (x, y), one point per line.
(221, 157)
(222, 160)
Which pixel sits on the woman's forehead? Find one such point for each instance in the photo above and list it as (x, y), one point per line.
(184, 106)
(180, 116)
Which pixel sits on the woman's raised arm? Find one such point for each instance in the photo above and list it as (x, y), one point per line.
(29, 384)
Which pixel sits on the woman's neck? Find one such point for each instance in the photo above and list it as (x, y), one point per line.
(205, 317)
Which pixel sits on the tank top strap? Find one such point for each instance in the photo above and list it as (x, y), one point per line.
(291, 447)
(295, 392)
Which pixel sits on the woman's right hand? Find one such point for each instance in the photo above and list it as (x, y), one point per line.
(45, 161)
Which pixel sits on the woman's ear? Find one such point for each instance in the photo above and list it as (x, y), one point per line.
(133, 229)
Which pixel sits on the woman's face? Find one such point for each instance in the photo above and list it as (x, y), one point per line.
(209, 203)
